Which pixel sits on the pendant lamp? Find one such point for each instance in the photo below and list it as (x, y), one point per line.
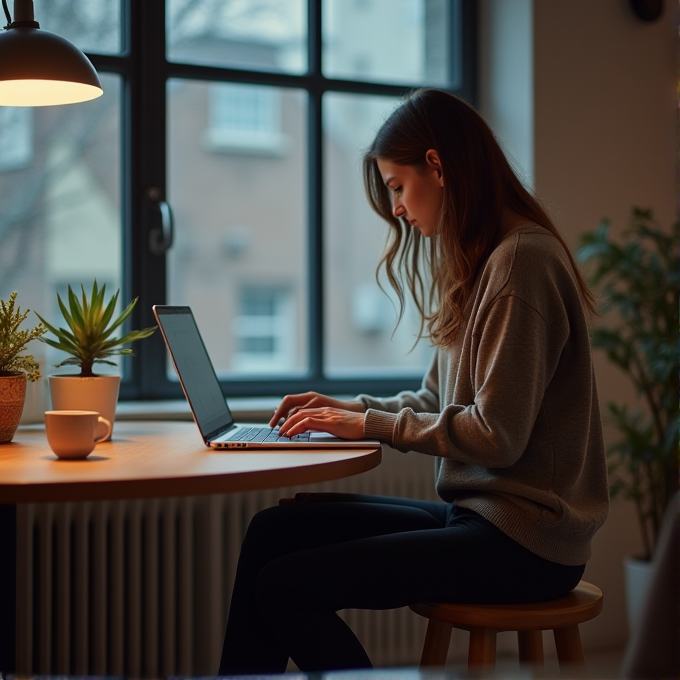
(39, 68)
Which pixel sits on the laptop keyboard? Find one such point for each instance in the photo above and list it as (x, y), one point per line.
(264, 435)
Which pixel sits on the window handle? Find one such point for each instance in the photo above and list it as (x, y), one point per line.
(161, 238)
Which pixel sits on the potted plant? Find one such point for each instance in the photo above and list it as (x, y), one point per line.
(88, 339)
(15, 366)
(638, 281)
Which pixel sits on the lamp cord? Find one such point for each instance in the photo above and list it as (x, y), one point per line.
(7, 14)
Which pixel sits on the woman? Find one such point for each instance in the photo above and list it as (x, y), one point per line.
(508, 410)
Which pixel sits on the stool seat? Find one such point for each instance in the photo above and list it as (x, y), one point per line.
(483, 621)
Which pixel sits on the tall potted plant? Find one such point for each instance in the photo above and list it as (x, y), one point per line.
(88, 340)
(638, 280)
(16, 367)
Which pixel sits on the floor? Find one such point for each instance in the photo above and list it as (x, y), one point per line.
(604, 664)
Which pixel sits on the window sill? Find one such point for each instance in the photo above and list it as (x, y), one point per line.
(244, 409)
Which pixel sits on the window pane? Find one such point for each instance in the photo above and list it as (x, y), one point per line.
(94, 25)
(359, 317)
(237, 168)
(60, 205)
(395, 41)
(266, 35)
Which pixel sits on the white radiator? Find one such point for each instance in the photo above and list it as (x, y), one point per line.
(141, 588)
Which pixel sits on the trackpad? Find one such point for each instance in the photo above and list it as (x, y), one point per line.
(321, 437)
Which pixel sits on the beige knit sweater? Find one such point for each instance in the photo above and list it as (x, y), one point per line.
(510, 410)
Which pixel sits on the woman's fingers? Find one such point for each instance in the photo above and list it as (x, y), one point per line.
(338, 422)
(291, 421)
(288, 403)
(295, 402)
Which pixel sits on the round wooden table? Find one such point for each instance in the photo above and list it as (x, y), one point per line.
(162, 458)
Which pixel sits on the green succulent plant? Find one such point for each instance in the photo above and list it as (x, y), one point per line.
(90, 326)
(13, 341)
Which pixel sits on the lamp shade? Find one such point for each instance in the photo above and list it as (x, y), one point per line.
(39, 68)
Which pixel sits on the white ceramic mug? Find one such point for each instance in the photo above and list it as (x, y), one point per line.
(71, 434)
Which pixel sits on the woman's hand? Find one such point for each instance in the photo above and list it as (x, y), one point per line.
(313, 411)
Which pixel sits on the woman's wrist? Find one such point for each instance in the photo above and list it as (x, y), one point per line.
(358, 405)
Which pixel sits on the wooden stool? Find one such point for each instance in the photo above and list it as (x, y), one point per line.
(483, 621)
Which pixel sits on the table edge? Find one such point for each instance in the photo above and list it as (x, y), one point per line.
(228, 482)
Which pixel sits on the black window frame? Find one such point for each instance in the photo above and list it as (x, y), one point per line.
(145, 70)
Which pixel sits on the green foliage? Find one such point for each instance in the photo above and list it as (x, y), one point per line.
(90, 326)
(638, 281)
(13, 341)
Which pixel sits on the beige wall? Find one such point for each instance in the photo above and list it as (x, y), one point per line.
(597, 87)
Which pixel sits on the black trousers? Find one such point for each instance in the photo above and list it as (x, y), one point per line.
(301, 563)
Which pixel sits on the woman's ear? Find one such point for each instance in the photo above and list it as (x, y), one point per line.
(432, 158)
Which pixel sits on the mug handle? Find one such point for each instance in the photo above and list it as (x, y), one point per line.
(108, 430)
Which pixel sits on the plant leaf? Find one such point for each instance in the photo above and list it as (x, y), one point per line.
(91, 323)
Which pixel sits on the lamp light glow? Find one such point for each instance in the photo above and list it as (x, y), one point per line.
(39, 68)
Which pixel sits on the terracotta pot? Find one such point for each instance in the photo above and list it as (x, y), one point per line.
(98, 393)
(12, 397)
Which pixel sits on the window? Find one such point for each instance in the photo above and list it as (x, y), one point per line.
(61, 208)
(250, 126)
(16, 137)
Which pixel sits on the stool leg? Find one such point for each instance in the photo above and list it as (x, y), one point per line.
(482, 650)
(568, 644)
(436, 645)
(530, 647)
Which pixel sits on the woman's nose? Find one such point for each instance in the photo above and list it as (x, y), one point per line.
(397, 209)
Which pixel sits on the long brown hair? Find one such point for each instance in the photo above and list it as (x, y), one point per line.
(479, 185)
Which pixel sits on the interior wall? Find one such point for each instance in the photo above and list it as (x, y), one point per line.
(506, 87)
(601, 105)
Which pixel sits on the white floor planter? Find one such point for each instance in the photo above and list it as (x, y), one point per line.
(98, 393)
(638, 577)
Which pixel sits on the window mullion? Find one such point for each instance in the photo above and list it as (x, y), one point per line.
(148, 93)
(315, 194)
(315, 247)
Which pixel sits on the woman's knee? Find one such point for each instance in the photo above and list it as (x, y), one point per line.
(264, 520)
(278, 587)
(279, 530)
(264, 538)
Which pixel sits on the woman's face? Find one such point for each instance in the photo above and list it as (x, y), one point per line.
(417, 194)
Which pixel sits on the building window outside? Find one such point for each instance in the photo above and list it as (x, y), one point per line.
(264, 330)
(245, 119)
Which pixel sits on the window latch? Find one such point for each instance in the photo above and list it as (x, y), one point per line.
(162, 236)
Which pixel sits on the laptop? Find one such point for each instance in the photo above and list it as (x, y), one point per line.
(208, 405)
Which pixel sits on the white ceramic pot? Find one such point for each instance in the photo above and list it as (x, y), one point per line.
(12, 397)
(98, 393)
(638, 575)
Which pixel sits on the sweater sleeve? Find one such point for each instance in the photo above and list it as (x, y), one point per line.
(381, 413)
(514, 353)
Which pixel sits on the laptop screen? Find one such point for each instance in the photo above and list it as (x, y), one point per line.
(194, 368)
